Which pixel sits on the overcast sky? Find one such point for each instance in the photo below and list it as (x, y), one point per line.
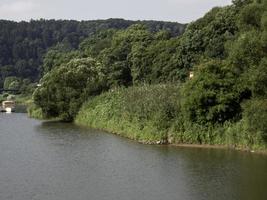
(167, 10)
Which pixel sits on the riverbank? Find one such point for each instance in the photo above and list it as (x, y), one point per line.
(153, 115)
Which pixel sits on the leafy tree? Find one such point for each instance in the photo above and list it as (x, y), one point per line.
(66, 87)
(11, 83)
(209, 97)
(55, 57)
(246, 51)
(115, 59)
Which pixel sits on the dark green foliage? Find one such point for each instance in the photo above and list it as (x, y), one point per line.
(258, 80)
(241, 3)
(116, 58)
(93, 45)
(155, 62)
(23, 44)
(210, 96)
(255, 116)
(246, 51)
(26, 87)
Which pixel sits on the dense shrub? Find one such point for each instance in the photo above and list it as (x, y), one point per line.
(210, 96)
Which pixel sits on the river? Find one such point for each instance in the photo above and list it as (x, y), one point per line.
(59, 161)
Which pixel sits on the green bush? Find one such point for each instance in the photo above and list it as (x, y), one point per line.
(210, 96)
(35, 112)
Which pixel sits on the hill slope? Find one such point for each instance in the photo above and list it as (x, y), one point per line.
(23, 44)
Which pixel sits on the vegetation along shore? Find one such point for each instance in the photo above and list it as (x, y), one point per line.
(205, 85)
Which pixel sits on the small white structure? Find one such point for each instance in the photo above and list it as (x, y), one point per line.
(191, 75)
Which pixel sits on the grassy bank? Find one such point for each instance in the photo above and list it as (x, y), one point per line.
(34, 111)
(154, 114)
(141, 113)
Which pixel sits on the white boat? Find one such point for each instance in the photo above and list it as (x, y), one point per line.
(8, 106)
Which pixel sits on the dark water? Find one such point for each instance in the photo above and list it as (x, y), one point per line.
(21, 108)
(58, 161)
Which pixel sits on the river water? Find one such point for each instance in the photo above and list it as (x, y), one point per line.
(59, 161)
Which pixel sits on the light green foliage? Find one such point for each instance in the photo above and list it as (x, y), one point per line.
(250, 16)
(11, 97)
(55, 57)
(35, 111)
(154, 114)
(65, 88)
(12, 83)
(144, 113)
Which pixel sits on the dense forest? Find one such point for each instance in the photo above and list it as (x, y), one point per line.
(23, 44)
(136, 83)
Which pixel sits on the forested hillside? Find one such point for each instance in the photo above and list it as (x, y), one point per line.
(143, 81)
(23, 44)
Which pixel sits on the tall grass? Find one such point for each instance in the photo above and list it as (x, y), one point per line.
(153, 114)
(143, 113)
(34, 111)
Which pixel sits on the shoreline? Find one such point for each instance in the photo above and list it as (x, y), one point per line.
(180, 145)
(226, 147)
(160, 143)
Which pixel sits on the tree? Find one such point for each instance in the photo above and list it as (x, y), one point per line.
(11, 83)
(210, 96)
(66, 87)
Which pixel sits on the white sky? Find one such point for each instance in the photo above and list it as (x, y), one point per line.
(182, 11)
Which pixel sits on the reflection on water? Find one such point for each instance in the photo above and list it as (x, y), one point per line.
(21, 108)
(60, 161)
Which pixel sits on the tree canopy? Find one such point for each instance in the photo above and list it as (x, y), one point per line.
(23, 44)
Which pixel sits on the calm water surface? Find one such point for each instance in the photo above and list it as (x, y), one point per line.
(59, 161)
